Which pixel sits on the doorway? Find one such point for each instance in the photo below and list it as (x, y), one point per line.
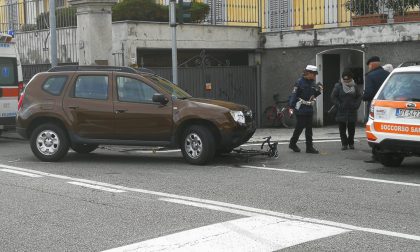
(331, 63)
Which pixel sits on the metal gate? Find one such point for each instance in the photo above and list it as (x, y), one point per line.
(231, 83)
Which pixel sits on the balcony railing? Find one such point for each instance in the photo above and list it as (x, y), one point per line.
(269, 15)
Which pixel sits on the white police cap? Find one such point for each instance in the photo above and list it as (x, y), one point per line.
(311, 68)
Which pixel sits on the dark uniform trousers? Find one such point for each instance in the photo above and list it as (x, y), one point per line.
(303, 122)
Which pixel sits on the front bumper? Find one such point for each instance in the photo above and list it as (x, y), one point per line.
(7, 122)
(237, 136)
(397, 146)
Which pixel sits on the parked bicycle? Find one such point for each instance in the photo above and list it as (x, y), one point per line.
(278, 114)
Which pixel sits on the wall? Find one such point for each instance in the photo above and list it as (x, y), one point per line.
(135, 34)
(385, 33)
(282, 67)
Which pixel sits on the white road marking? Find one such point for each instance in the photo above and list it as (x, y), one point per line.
(97, 187)
(257, 233)
(22, 173)
(272, 169)
(382, 181)
(229, 205)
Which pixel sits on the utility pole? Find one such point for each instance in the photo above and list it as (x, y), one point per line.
(172, 24)
(53, 32)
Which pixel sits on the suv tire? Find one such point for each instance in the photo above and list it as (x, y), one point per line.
(84, 148)
(390, 159)
(49, 142)
(198, 145)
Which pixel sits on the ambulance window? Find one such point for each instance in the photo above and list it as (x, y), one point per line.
(8, 72)
(54, 85)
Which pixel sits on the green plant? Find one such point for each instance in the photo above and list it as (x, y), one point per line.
(149, 10)
(142, 10)
(198, 12)
(363, 7)
(401, 6)
(65, 17)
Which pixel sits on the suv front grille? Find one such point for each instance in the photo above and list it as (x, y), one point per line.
(248, 115)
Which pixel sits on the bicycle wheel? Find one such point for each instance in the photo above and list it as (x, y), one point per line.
(287, 119)
(270, 115)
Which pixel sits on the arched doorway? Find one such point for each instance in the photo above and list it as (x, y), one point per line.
(331, 64)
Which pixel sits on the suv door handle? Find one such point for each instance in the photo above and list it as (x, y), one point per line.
(120, 111)
(73, 107)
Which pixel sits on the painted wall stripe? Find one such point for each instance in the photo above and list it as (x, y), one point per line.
(382, 181)
(22, 173)
(97, 187)
(257, 233)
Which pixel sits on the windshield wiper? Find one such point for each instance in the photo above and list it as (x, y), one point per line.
(414, 99)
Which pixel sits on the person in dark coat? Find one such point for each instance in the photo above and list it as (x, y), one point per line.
(346, 97)
(302, 100)
(373, 81)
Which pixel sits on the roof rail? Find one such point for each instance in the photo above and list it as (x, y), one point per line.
(409, 63)
(146, 70)
(93, 68)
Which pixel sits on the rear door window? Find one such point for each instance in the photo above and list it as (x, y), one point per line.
(402, 87)
(91, 87)
(54, 85)
(8, 72)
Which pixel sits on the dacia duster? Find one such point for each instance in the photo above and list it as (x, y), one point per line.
(82, 107)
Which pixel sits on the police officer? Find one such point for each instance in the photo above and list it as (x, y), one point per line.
(303, 100)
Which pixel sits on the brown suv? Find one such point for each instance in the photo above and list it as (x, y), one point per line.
(81, 107)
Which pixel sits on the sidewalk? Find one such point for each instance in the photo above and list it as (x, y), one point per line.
(277, 134)
(284, 134)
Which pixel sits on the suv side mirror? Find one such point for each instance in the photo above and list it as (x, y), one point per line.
(160, 98)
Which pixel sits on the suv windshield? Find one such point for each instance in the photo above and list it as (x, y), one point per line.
(402, 87)
(170, 87)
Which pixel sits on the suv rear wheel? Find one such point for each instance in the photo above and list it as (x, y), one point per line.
(49, 142)
(390, 159)
(198, 145)
(84, 148)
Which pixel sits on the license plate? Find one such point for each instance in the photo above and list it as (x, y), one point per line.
(408, 113)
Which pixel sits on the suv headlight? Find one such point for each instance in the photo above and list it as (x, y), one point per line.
(238, 116)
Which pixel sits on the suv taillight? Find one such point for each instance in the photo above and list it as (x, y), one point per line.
(21, 100)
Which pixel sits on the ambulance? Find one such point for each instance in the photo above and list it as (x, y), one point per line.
(393, 129)
(11, 81)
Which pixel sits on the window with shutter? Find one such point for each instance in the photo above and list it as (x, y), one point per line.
(279, 14)
(217, 15)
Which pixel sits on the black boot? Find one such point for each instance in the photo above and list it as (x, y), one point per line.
(294, 147)
(312, 150)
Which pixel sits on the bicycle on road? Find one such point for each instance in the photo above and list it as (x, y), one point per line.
(278, 114)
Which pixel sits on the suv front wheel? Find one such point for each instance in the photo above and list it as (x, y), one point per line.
(198, 145)
(49, 142)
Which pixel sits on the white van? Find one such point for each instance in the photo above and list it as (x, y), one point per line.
(11, 81)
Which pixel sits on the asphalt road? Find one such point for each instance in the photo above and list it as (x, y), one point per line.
(117, 196)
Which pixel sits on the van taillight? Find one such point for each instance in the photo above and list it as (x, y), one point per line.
(21, 86)
(21, 100)
(372, 111)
